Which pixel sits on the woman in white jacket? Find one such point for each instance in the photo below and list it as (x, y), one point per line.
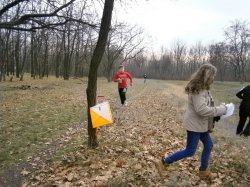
(198, 118)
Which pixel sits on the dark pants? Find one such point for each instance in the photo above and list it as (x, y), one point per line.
(122, 93)
(244, 113)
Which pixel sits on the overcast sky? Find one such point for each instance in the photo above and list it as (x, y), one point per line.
(187, 20)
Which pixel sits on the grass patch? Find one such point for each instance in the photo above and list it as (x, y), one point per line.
(30, 118)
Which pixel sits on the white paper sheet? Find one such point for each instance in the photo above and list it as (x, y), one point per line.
(230, 110)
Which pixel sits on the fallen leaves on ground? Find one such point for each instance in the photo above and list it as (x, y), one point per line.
(143, 132)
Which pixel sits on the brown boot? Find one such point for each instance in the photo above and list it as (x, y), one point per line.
(162, 168)
(206, 174)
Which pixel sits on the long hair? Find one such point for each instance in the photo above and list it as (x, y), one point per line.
(201, 79)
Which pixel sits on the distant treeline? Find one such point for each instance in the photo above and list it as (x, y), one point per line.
(231, 57)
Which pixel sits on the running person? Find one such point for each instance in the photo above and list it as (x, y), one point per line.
(244, 111)
(197, 119)
(121, 77)
(145, 77)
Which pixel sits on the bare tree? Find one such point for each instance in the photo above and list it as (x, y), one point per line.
(25, 15)
(197, 56)
(179, 55)
(5, 37)
(218, 57)
(166, 64)
(30, 21)
(124, 43)
(238, 40)
(24, 56)
(95, 62)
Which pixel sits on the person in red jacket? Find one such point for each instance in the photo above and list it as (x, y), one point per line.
(121, 77)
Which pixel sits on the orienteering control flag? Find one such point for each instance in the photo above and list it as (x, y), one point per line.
(101, 114)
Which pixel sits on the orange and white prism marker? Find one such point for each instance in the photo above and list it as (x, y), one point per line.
(101, 114)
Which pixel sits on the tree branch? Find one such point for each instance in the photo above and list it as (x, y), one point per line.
(9, 6)
(32, 17)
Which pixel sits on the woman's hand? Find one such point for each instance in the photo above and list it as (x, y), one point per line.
(225, 105)
(216, 119)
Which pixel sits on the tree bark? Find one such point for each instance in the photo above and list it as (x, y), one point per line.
(17, 54)
(94, 64)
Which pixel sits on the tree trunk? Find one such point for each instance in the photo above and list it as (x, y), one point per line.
(24, 57)
(59, 47)
(32, 48)
(94, 64)
(17, 54)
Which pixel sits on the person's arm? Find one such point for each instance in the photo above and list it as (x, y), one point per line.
(201, 107)
(116, 77)
(240, 93)
(130, 78)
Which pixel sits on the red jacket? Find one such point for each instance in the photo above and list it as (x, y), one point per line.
(123, 76)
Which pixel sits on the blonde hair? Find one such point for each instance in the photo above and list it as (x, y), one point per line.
(201, 79)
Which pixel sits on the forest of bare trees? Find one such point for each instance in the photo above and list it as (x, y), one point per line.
(231, 57)
(57, 38)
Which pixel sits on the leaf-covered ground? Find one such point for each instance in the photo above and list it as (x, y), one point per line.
(149, 127)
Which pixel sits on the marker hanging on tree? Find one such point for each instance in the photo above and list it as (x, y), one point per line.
(101, 114)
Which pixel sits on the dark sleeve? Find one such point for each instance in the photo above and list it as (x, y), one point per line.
(239, 94)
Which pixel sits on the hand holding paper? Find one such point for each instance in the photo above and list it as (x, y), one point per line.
(230, 110)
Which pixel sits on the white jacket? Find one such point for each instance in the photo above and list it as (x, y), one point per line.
(200, 113)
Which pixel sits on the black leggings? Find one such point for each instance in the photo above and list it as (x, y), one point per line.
(244, 114)
(122, 93)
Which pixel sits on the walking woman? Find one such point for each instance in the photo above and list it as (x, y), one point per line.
(198, 118)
